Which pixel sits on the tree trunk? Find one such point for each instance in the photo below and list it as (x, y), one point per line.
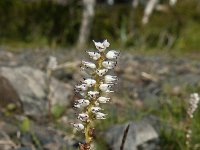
(148, 10)
(86, 23)
(172, 2)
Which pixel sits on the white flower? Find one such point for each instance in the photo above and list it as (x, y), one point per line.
(112, 54)
(109, 64)
(77, 106)
(78, 126)
(81, 103)
(103, 99)
(106, 43)
(52, 64)
(101, 46)
(89, 64)
(94, 55)
(83, 117)
(95, 109)
(110, 79)
(100, 115)
(105, 87)
(89, 82)
(82, 87)
(193, 104)
(93, 94)
(101, 72)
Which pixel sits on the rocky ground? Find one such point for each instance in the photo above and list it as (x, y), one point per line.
(143, 82)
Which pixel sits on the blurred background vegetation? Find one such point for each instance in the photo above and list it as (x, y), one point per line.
(170, 29)
(57, 23)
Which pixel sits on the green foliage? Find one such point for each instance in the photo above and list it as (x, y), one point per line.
(57, 111)
(172, 140)
(190, 37)
(171, 112)
(42, 21)
(196, 129)
(25, 125)
(49, 23)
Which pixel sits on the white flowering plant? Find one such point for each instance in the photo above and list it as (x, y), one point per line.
(192, 107)
(95, 90)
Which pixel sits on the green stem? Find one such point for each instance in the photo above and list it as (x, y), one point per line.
(89, 124)
(188, 129)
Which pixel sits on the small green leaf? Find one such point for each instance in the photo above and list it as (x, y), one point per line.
(25, 125)
(57, 110)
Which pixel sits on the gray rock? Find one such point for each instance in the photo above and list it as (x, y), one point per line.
(24, 148)
(5, 142)
(31, 87)
(139, 134)
(39, 137)
(9, 97)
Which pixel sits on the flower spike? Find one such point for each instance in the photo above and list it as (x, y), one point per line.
(94, 89)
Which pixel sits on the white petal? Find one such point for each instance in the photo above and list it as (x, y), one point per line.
(110, 79)
(100, 115)
(89, 82)
(78, 126)
(100, 46)
(105, 87)
(94, 55)
(112, 54)
(103, 99)
(81, 103)
(89, 64)
(106, 43)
